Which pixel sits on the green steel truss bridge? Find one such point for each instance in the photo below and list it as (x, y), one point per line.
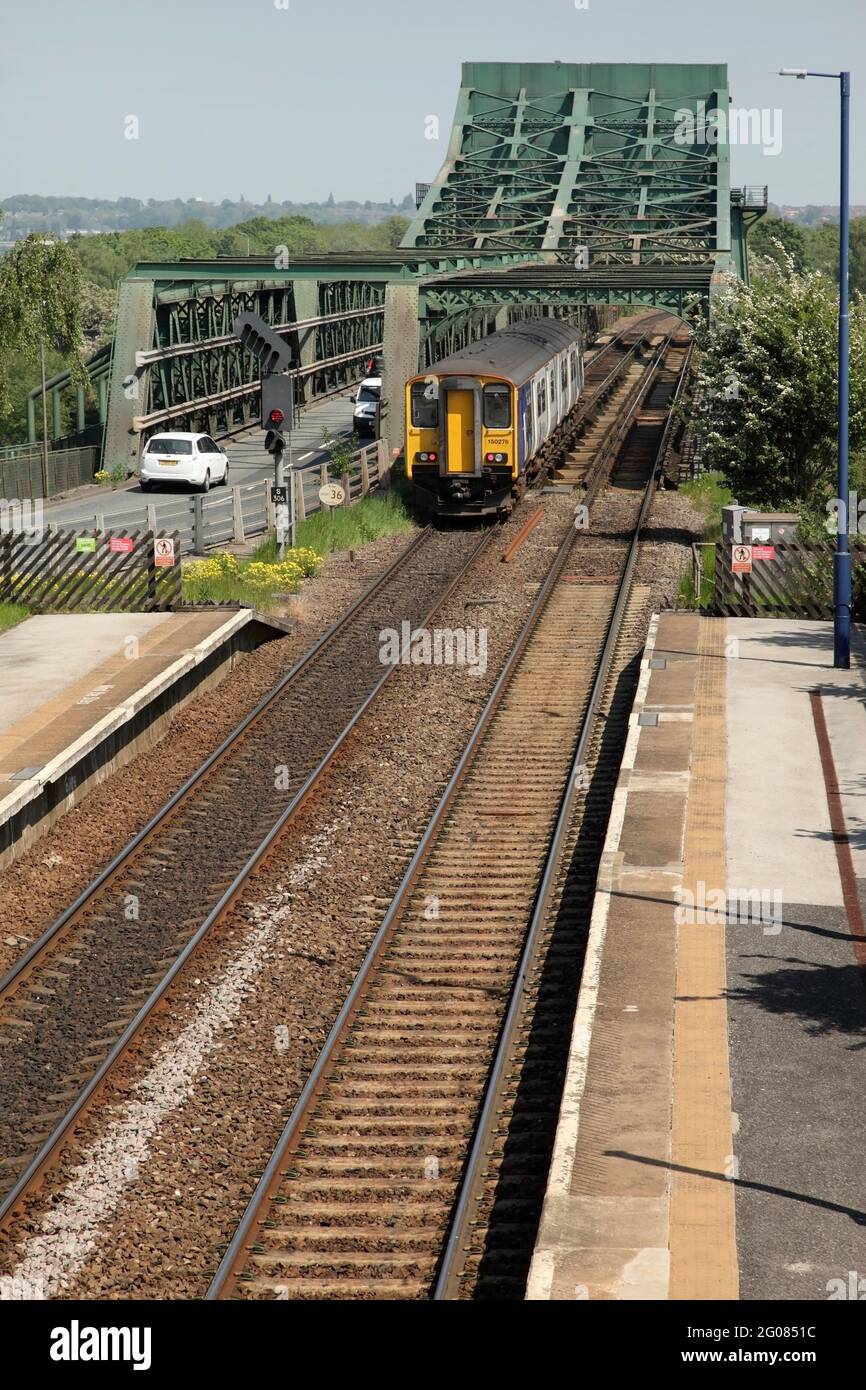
(565, 187)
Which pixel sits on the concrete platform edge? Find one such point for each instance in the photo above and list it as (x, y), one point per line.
(549, 1238)
(28, 812)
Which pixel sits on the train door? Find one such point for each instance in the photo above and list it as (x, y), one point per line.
(460, 436)
(539, 433)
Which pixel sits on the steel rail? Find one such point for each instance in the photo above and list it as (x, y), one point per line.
(49, 1149)
(450, 1268)
(619, 426)
(39, 946)
(225, 1276)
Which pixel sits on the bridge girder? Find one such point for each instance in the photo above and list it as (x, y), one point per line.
(548, 164)
(621, 159)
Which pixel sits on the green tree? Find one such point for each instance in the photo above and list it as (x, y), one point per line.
(774, 237)
(40, 304)
(767, 382)
(822, 249)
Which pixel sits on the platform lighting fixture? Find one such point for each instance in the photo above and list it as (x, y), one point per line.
(842, 558)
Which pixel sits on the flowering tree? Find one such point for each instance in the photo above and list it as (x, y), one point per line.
(767, 385)
(40, 303)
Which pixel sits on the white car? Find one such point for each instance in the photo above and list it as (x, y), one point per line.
(366, 403)
(193, 459)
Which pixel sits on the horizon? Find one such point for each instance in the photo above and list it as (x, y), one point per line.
(103, 107)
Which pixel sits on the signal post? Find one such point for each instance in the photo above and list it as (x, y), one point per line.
(277, 413)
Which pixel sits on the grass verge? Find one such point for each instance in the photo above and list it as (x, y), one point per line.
(12, 613)
(345, 528)
(707, 494)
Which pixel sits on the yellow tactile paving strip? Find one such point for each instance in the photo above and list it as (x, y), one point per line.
(58, 722)
(702, 1220)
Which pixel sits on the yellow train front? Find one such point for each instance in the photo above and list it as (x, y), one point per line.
(477, 422)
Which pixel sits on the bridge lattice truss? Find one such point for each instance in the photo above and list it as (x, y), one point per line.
(630, 178)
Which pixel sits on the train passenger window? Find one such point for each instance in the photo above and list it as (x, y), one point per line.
(425, 405)
(541, 397)
(564, 375)
(497, 406)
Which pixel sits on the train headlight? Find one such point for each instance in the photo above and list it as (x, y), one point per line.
(426, 457)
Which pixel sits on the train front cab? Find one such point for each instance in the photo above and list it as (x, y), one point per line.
(461, 443)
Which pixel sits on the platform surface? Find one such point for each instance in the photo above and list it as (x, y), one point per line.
(712, 1136)
(64, 675)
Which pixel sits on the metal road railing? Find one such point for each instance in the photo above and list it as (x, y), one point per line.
(235, 514)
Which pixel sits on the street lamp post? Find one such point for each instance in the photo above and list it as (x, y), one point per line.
(842, 558)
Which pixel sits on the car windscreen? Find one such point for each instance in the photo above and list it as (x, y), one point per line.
(368, 393)
(165, 444)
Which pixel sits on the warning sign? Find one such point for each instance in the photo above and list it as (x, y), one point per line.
(763, 552)
(85, 545)
(163, 552)
(121, 545)
(741, 559)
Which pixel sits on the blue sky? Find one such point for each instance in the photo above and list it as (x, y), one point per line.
(299, 98)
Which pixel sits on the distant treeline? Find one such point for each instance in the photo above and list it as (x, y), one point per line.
(33, 212)
(106, 258)
(812, 248)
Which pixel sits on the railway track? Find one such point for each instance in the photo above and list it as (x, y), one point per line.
(496, 1215)
(72, 1003)
(384, 1163)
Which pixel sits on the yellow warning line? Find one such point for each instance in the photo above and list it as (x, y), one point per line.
(703, 1229)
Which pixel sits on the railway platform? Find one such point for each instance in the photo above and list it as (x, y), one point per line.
(711, 1141)
(80, 694)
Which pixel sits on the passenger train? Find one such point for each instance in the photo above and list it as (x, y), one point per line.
(477, 422)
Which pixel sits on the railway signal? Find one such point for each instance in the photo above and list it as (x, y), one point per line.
(272, 352)
(277, 409)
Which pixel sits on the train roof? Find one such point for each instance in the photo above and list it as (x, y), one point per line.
(516, 352)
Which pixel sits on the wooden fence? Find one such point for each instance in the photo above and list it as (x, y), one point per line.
(796, 583)
(49, 572)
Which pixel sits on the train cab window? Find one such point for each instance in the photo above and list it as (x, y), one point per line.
(541, 397)
(425, 405)
(497, 406)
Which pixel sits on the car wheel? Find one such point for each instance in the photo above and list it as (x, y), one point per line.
(205, 487)
(145, 485)
(225, 477)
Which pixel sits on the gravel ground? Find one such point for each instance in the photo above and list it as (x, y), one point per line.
(359, 833)
(36, 888)
(145, 1202)
(665, 554)
(161, 1173)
